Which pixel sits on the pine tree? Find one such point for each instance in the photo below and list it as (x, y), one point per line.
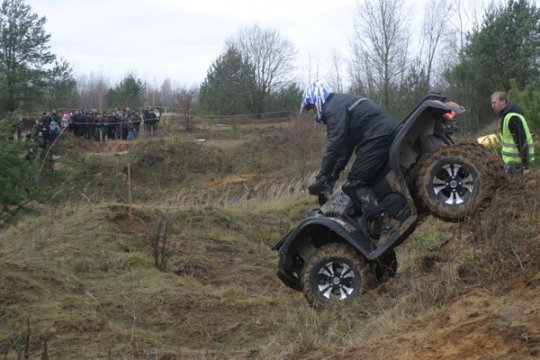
(503, 49)
(225, 90)
(24, 55)
(128, 93)
(528, 97)
(16, 175)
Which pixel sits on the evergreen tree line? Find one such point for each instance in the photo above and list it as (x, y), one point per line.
(255, 74)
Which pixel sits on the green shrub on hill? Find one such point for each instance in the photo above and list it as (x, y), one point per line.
(17, 176)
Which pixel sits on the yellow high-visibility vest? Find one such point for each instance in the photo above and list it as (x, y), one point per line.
(510, 152)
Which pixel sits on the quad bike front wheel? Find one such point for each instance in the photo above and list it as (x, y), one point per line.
(453, 182)
(335, 272)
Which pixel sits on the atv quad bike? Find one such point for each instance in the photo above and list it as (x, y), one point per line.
(334, 252)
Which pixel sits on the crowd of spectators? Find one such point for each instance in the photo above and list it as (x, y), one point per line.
(121, 124)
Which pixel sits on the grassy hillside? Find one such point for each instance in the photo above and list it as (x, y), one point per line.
(187, 272)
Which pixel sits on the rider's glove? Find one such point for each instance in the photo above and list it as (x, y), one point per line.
(320, 184)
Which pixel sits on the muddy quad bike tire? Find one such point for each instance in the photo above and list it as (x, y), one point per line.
(491, 159)
(335, 272)
(453, 182)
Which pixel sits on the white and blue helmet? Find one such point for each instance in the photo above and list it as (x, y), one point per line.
(315, 95)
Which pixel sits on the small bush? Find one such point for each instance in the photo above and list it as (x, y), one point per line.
(158, 239)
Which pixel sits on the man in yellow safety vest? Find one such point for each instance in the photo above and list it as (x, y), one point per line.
(517, 145)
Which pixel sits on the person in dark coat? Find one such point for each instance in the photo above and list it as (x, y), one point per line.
(354, 124)
(76, 123)
(100, 127)
(41, 140)
(517, 150)
(125, 123)
(111, 127)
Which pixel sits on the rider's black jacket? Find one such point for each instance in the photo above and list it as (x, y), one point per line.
(348, 129)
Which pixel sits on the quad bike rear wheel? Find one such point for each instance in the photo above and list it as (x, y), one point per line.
(454, 181)
(335, 272)
(490, 158)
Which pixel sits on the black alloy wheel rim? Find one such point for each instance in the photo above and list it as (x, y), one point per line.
(336, 278)
(454, 184)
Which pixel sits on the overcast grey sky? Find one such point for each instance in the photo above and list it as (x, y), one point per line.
(179, 39)
(159, 39)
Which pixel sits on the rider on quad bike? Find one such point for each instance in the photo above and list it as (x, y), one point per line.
(336, 251)
(353, 124)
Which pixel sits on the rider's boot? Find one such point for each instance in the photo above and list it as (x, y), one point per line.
(389, 227)
(364, 197)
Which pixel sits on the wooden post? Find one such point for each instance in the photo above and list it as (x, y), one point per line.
(129, 190)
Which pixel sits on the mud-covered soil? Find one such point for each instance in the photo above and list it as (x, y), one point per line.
(480, 324)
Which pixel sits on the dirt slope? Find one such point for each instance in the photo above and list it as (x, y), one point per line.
(495, 313)
(481, 324)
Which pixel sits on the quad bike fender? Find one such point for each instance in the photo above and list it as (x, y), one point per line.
(414, 117)
(345, 231)
(299, 241)
(395, 177)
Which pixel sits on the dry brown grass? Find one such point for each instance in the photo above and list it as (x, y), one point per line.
(84, 275)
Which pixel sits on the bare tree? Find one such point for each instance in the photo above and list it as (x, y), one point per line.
(271, 57)
(462, 17)
(166, 93)
(93, 91)
(187, 99)
(336, 81)
(152, 93)
(314, 67)
(469, 16)
(434, 29)
(380, 47)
